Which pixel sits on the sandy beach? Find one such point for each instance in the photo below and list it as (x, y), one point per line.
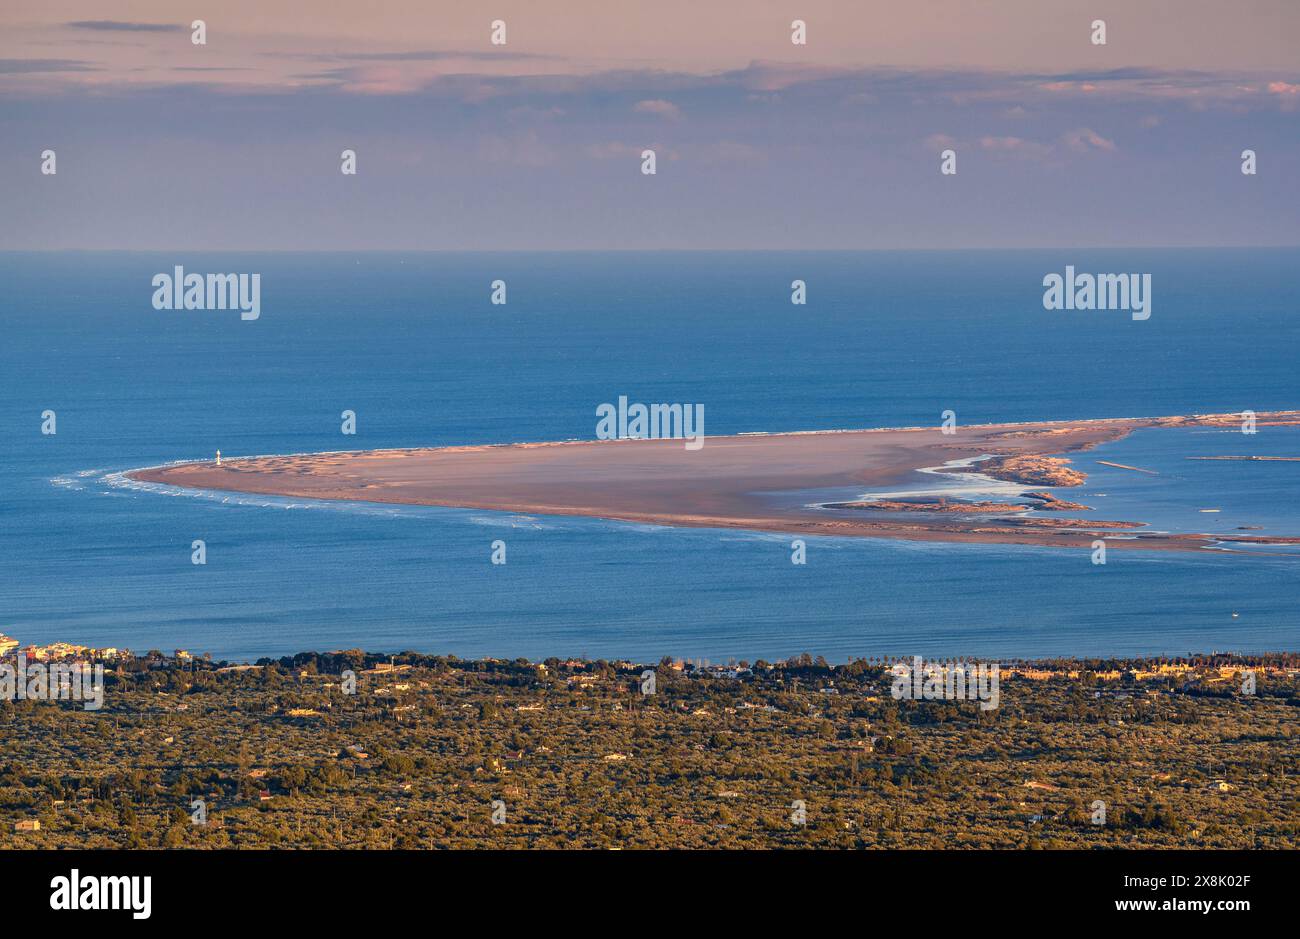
(732, 482)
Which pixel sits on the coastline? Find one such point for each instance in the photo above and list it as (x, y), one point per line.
(730, 482)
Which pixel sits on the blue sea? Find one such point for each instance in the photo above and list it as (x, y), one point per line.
(411, 343)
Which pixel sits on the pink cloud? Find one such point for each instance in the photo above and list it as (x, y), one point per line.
(660, 107)
(1015, 146)
(617, 150)
(1083, 139)
(777, 76)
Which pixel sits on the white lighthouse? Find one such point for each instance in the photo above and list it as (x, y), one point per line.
(218, 457)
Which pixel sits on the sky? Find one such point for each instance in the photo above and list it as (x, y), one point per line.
(536, 144)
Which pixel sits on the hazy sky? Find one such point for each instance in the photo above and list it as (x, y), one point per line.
(536, 144)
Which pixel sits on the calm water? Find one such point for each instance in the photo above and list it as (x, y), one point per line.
(411, 344)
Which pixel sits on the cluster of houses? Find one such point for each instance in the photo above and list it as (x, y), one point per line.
(61, 651)
(1208, 674)
(702, 668)
(71, 652)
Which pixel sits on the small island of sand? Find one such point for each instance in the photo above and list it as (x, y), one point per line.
(733, 482)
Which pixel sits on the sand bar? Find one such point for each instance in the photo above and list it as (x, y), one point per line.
(731, 482)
